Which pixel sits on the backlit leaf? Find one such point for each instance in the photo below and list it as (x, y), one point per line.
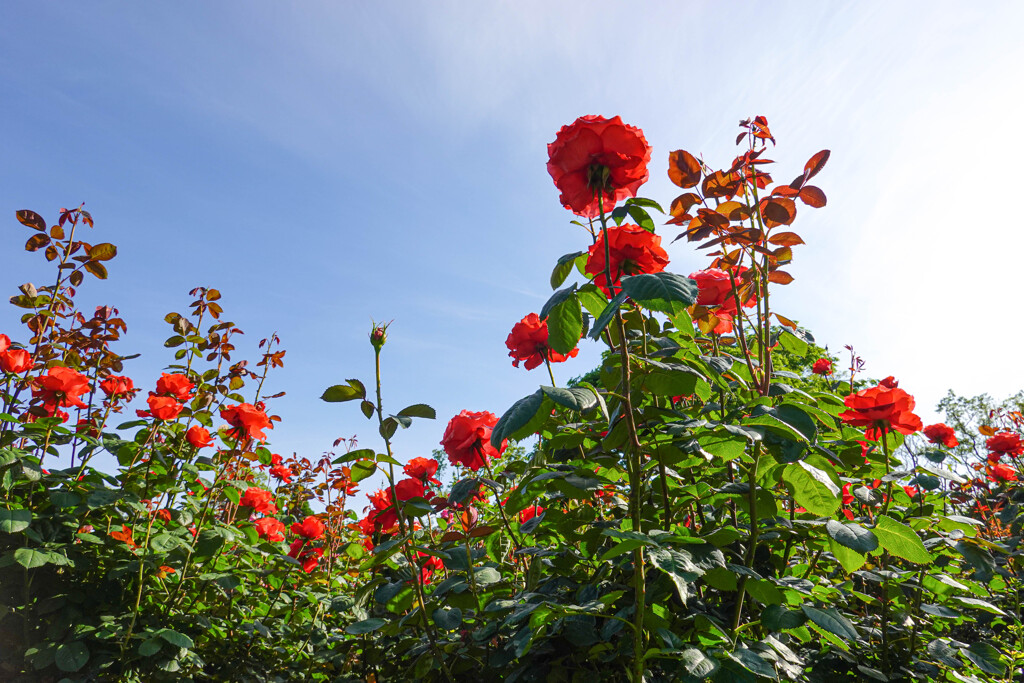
(683, 169)
(900, 540)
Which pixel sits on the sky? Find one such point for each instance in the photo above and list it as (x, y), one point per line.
(327, 164)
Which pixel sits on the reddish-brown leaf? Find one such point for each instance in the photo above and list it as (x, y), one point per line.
(780, 277)
(785, 239)
(733, 210)
(76, 277)
(815, 164)
(57, 232)
(683, 203)
(683, 169)
(786, 321)
(37, 242)
(778, 211)
(97, 269)
(785, 191)
(102, 252)
(760, 128)
(31, 219)
(812, 196)
(721, 184)
(51, 253)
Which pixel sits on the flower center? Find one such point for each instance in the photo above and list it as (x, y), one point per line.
(599, 177)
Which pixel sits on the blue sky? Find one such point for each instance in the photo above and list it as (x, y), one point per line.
(325, 163)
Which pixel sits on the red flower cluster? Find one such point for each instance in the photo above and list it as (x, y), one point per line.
(309, 557)
(822, 366)
(247, 421)
(59, 388)
(528, 342)
(14, 361)
(178, 386)
(1000, 472)
(280, 470)
(880, 409)
(1004, 443)
(166, 403)
(597, 162)
(941, 434)
(631, 250)
(467, 439)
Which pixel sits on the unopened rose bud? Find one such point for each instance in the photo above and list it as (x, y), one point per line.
(379, 335)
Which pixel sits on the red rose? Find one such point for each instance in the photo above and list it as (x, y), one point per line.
(941, 434)
(163, 515)
(383, 515)
(311, 528)
(528, 341)
(529, 513)
(429, 566)
(822, 366)
(177, 386)
(15, 361)
(714, 286)
(597, 156)
(847, 496)
(270, 529)
(164, 407)
(246, 420)
(422, 469)
(259, 500)
(117, 387)
(1004, 443)
(5, 342)
(632, 249)
(410, 488)
(60, 387)
(198, 437)
(911, 492)
(310, 557)
(467, 439)
(1002, 473)
(282, 472)
(881, 408)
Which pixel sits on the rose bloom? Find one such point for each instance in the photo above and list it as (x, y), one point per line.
(714, 286)
(597, 157)
(259, 500)
(423, 469)
(246, 420)
(632, 249)
(60, 387)
(114, 386)
(381, 512)
(410, 488)
(429, 566)
(1002, 473)
(163, 515)
(1004, 443)
(311, 528)
(5, 342)
(176, 385)
(15, 361)
(270, 528)
(528, 342)
(467, 439)
(529, 513)
(941, 434)
(822, 366)
(881, 408)
(198, 437)
(310, 557)
(164, 407)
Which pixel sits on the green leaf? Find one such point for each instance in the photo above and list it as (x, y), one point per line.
(853, 536)
(592, 298)
(679, 566)
(664, 292)
(71, 656)
(13, 521)
(485, 576)
(697, 664)
(175, 638)
(985, 656)
(850, 559)
(555, 299)
(792, 343)
(565, 325)
(900, 540)
(362, 469)
(419, 410)
(812, 488)
(339, 393)
(30, 558)
(607, 314)
(516, 417)
(778, 618)
(150, 647)
(365, 626)
(367, 407)
(832, 621)
(573, 398)
(388, 427)
(563, 268)
(448, 618)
